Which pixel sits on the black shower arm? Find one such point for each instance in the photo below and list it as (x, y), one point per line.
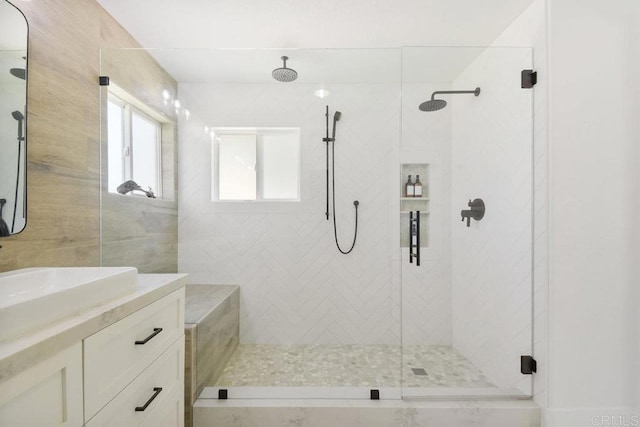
(450, 92)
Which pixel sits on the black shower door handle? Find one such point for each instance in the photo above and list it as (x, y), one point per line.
(418, 238)
(411, 237)
(414, 231)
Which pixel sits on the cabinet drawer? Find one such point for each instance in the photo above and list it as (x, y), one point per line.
(164, 379)
(112, 359)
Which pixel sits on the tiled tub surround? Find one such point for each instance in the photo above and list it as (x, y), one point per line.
(19, 354)
(349, 366)
(211, 336)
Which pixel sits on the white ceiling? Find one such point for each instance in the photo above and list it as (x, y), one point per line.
(199, 28)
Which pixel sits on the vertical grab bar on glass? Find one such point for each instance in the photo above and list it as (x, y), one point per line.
(418, 238)
(410, 237)
(414, 232)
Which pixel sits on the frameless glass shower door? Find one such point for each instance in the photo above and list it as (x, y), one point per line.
(466, 236)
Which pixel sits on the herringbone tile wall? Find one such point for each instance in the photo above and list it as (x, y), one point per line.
(295, 286)
(492, 260)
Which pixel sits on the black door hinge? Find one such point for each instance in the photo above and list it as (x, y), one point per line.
(529, 78)
(528, 365)
(375, 394)
(104, 80)
(223, 394)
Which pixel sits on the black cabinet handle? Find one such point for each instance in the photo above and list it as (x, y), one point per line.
(157, 391)
(156, 331)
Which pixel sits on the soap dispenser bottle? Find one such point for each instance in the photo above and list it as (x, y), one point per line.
(417, 187)
(409, 188)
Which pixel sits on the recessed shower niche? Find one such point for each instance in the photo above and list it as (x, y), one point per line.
(414, 206)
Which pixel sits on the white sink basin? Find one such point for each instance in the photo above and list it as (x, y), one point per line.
(35, 297)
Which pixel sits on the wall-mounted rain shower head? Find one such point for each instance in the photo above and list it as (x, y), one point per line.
(17, 115)
(438, 104)
(284, 74)
(433, 105)
(20, 73)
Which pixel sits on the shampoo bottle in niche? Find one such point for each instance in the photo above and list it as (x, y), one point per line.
(409, 188)
(417, 187)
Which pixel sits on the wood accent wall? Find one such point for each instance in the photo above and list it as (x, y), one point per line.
(63, 151)
(136, 230)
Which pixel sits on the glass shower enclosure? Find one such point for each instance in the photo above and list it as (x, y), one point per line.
(245, 174)
(466, 269)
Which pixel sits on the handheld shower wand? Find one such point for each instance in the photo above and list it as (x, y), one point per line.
(17, 115)
(20, 118)
(336, 118)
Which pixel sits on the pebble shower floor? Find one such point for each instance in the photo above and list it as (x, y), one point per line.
(262, 365)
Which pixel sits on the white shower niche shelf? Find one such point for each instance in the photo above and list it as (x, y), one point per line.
(410, 206)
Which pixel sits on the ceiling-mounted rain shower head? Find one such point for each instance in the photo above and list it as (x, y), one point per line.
(284, 74)
(438, 104)
(20, 73)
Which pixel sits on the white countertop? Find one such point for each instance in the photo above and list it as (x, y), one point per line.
(21, 353)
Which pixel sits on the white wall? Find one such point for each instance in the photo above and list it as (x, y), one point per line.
(295, 286)
(594, 201)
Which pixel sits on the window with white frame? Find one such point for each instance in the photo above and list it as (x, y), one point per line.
(256, 164)
(134, 147)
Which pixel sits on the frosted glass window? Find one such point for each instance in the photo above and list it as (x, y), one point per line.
(115, 144)
(256, 164)
(280, 169)
(237, 167)
(145, 158)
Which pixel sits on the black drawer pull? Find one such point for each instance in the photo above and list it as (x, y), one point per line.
(157, 391)
(156, 331)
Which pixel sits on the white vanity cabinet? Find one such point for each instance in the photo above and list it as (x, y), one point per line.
(125, 370)
(134, 368)
(45, 395)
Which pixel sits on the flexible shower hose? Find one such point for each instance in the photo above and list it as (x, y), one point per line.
(333, 198)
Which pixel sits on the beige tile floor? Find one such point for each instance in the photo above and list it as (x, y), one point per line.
(349, 366)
